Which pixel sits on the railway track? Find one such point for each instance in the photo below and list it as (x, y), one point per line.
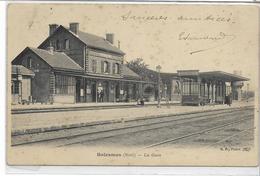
(110, 130)
(147, 129)
(248, 130)
(249, 117)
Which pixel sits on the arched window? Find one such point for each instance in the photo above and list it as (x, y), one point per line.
(116, 68)
(67, 44)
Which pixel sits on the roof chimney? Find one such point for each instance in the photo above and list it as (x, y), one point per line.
(110, 38)
(74, 27)
(52, 28)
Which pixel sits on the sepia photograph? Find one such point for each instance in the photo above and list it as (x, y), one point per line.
(132, 84)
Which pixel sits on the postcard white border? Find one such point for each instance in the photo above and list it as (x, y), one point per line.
(91, 170)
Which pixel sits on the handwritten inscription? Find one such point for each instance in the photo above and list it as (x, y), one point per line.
(215, 39)
(130, 16)
(208, 18)
(221, 36)
(189, 36)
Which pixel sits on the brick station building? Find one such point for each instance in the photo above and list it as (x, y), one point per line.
(71, 66)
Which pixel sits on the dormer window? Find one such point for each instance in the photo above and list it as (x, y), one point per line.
(67, 44)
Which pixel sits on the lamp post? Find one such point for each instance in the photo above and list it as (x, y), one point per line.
(158, 69)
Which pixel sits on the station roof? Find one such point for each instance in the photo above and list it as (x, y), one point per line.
(57, 60)
(129, 74)
(95, 41)
(91, 40)
(220, 75)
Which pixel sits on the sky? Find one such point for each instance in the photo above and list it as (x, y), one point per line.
(177, 37)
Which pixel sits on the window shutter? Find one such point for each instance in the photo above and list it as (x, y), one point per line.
(113, 67)
(102, 66)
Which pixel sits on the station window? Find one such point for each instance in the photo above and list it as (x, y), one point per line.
(67, 44)
(15, 87)
(64, 85)
(29, 62)
(57, 45)
(190, 88)
(116, 68)
(94, 66)
(106, 67)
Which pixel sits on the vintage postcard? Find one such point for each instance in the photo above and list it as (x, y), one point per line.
(132, 84)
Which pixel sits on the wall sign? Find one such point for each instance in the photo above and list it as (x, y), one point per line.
(81, 92)
(88, 90)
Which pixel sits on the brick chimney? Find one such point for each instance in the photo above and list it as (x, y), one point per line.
(110, 37)
(52, 28)
(74, 27)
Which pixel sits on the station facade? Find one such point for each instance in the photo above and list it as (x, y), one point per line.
(72, 66)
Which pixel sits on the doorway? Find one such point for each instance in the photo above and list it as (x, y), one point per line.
(94, 92)
(117, 92)
(78, 90)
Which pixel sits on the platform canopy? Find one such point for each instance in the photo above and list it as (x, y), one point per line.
(223, 76)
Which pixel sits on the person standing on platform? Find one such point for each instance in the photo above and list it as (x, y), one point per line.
(229, 99)
(101, 96)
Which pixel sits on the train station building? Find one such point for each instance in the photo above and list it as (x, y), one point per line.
(72, 66)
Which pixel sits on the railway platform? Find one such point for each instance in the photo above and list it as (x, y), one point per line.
(38, 107)
(50, 121)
